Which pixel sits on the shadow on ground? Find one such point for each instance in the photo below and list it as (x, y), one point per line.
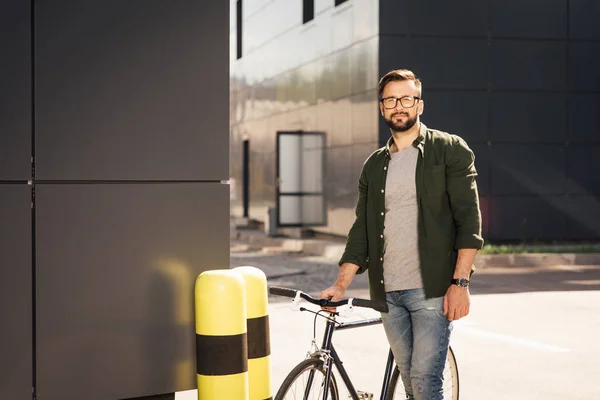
(312, 274)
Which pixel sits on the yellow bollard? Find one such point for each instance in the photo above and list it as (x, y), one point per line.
(259, 347)
(221, 336)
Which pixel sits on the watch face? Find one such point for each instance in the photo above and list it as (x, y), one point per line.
(462, 282)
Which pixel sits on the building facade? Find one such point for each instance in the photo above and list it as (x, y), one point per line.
(519, 80)
(113, 195)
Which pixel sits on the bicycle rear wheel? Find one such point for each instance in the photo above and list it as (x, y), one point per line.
(307, 381)
(396, 388)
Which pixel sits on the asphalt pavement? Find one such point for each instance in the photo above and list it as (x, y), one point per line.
(533, 331)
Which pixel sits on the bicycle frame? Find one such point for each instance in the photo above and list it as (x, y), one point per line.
(332, 356)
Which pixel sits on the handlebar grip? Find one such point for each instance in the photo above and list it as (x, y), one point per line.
(279, 291)
(376, 305)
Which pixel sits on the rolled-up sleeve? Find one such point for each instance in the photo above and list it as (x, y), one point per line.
(356, 251)
(462, 191)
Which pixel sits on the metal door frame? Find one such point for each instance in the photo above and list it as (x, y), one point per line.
(278, 192)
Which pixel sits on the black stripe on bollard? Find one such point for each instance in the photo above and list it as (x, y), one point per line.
(221, 355)
(258, 337)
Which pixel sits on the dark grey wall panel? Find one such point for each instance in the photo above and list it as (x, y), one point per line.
(528, 218)
(482, 164)
(443, 62)
(527, 169)
(583, 19)
(529, 19)
(540, 66)
(528, 117)
(584, 66)
(584, 217)
(16, 368)
(116, 269)
(15, 90)
(584, 118)
(583, 169)
(393, 17)
(441, 17)
(132, 90)
(390, 57)
(462, 113)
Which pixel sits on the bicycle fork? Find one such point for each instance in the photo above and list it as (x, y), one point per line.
(328, 361)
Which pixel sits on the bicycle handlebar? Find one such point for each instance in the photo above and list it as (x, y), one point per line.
(376, 305)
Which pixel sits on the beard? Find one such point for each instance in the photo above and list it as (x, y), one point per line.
(401, 126)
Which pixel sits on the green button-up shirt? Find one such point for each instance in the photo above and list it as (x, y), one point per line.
(449, 216)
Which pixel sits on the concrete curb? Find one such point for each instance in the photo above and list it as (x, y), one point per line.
(334, 250)
(538, 259)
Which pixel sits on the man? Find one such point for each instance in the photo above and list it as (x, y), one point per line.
(417, 229)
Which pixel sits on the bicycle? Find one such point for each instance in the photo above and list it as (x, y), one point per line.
(320, 383)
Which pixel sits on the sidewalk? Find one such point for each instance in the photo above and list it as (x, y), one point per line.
(332, 250)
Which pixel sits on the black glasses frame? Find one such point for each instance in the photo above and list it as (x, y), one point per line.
(402, 99)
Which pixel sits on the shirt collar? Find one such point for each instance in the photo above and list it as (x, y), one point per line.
(419, 142)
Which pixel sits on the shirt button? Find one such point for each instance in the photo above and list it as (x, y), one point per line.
(384, 168)
(382, 190)
(381, 236)
(382, 281)
(382, 213)
(380, 258)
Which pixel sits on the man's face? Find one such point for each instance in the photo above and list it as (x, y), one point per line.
(401, 118)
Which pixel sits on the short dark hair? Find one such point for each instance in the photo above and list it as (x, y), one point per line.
(399, 75)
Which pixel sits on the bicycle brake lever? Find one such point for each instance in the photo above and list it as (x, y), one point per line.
(350, 306)
(296, 301)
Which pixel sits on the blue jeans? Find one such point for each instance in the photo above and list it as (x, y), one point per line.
(419, 335)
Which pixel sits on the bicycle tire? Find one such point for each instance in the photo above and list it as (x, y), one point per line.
(314, 365)
(451, 381)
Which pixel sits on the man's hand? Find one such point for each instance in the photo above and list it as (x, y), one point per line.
(334, 293)
(456, 303)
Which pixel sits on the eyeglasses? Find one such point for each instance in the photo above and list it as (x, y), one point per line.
(405, 101)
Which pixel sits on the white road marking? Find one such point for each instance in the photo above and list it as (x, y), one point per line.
(512, 339)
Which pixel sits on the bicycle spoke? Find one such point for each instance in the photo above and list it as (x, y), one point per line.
(307, 382)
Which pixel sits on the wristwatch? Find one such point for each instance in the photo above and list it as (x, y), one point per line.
(461, 282)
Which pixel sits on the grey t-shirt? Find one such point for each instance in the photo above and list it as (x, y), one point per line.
(401, 261)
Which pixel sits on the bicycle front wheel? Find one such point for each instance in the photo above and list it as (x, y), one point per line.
(307, 381)
(396, 388)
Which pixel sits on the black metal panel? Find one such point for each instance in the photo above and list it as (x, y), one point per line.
(529, 19)
(446, 63)
(526, 169)
(528, 117)
(116, 266)
(540, 66)
(391, 58)
(583, 169)
(528, 218)
(132, 90)
(462, 113)
(15, 90)
(584, 118)
(16, 365)
(583, 19)
(441, 17)
(584, 217)
(393, 17)
(482, 165)
(584, 66)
